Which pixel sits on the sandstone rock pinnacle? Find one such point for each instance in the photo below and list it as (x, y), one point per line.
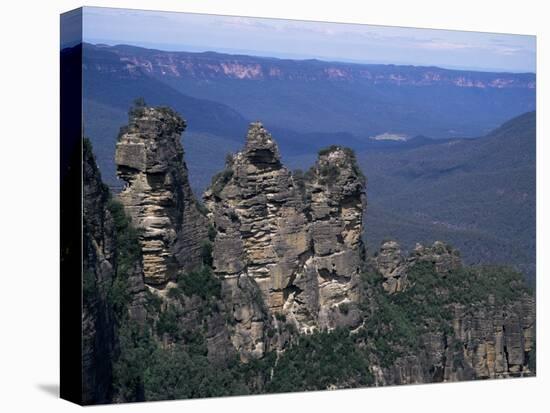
(298, 242)
(157, 195)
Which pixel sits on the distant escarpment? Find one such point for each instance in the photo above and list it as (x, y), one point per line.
(212, 66)
(267, 287)
(295, 238)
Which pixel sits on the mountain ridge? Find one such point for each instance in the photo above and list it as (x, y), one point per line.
(315, 96)
(334, 68)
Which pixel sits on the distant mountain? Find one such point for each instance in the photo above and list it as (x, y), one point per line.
(212, 65)
(110, 87)
(478, 194)
(317, 96)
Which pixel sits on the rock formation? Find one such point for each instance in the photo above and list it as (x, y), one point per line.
(101, 268)
(498, 340)
(173, 232)
(335, 191)
(485, 343)
(393, 266)
(486, 339)
(299, 243)
(287, 259)
(157, 196)
(98, 335)
(444, 257)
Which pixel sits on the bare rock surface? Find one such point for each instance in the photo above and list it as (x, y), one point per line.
(487, 339)
(157, 195)
(298, 242)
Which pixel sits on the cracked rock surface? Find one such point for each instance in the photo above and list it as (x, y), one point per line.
(157, 195)
(298, 239)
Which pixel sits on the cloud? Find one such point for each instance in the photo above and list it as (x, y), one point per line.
(444, 45)
(500, 48)
(306, 38)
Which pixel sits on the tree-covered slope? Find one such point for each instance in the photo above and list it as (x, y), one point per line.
(477, 194)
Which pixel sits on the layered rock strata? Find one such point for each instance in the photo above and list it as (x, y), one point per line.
(336, 201)
(157, 195)
(485, 343)
(296, 240)
(487, 340)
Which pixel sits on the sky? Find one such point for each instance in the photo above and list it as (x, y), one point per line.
(305, 40)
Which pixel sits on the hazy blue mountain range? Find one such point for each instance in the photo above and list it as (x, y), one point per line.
(318, 96)
(477, 194)
(307, 104)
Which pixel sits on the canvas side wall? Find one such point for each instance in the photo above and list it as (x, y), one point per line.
(71, 206)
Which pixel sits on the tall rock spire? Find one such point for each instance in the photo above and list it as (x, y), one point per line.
(298, 242)
(157, 195)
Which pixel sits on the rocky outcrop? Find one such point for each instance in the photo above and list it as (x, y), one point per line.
(394, 266)
(262, 239)
(298, 242)
(173, 232)
(444, 257)
(487, 342)
(482, 339)
(157, 195)
(497, 341)
(118, 302)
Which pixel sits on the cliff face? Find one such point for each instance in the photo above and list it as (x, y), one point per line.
(213, 66)
(145, 286)
(107, 267)
(485, 343)
(158, 198)
(336, 197)
(483, 336)
(168, 300)
(295, 240)
(99, 251)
